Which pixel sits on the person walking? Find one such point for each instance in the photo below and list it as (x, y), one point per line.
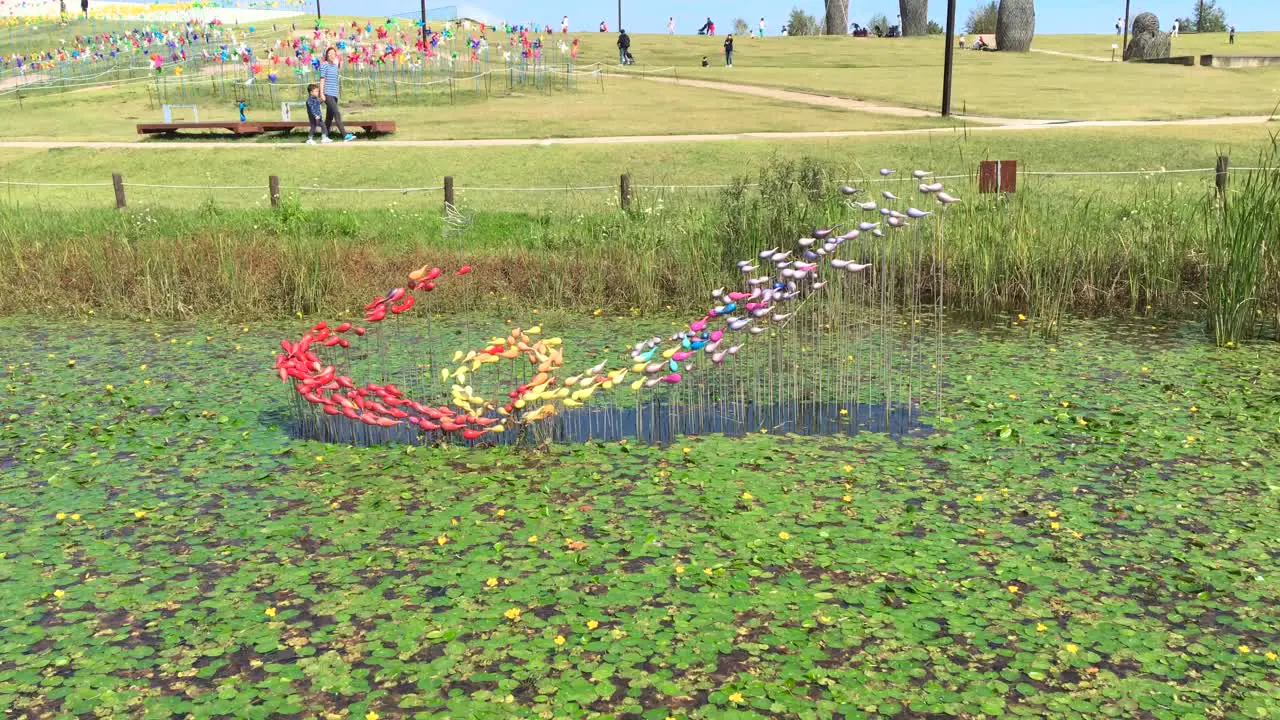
(728, 50)
(624, 47)
(762, 28)
(329, 89)
(671, 26)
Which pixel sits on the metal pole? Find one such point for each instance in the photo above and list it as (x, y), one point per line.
(619, 15)
(424, 23)
(317, 10)
(1124, 44)
(949, 63)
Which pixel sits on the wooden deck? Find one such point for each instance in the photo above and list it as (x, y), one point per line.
(257, 127)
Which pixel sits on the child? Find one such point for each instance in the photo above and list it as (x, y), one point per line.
(313, 114)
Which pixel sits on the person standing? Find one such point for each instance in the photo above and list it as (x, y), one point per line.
(1119, 25)
(1232, 36)
(728, 50)
(671, 26)
(313, 115)
(329, 89)
(624, 46)
(84, 8)
(762, 28)
(1174, 34)
(564, 25)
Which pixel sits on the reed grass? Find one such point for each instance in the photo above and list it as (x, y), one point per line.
(1153, 249)
(1242, 234)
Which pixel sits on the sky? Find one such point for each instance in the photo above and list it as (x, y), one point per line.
(1052, 16)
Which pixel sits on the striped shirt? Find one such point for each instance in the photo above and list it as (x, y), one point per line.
(329, 73)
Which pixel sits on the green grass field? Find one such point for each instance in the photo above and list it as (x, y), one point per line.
(615, 105)
(513, 168)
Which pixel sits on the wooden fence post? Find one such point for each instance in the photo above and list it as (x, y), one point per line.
(624, 191)
(273, 186)
(1220, 179)
(117, 181)
(448, 191)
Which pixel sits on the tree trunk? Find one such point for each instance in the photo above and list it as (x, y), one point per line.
(1015, 25)
(915, 17)
(837, 21)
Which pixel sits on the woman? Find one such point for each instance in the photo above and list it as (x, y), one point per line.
(329, 89)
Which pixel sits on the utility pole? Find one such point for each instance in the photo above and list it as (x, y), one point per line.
(1124, 45)
(619, 15)
(949, 63)
(424, 23)
(317, 10)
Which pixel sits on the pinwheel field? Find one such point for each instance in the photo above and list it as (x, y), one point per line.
(797, 418)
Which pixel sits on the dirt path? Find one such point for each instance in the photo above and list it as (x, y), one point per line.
(1077, 56)
(628, 139)
(831, 101)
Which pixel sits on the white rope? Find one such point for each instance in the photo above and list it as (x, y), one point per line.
(195, 187)
(1117, 172)
(691, 187)
(37, 184)
(359, 190)
(538, 189)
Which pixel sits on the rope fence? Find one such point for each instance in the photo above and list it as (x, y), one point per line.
(625, 187)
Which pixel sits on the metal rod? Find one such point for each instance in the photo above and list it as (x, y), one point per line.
(1124, 44)
(949, 63)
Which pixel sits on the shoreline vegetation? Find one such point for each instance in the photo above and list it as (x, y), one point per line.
(1146, 249)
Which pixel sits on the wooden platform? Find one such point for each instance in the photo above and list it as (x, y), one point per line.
(257, 127)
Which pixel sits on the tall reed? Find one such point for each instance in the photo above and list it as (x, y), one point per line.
(1242, 234)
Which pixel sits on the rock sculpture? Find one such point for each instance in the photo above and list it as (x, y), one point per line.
(837, 17)
(1147, 43)
(915, 17)
(1015, 25)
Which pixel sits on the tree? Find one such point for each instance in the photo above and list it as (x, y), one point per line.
(935, 29)
(837, 20)
(740, 27)
(915, 17)
(879, 25)
(982, 19)
(1015, 25)
(1209, 18)
(801, 23)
